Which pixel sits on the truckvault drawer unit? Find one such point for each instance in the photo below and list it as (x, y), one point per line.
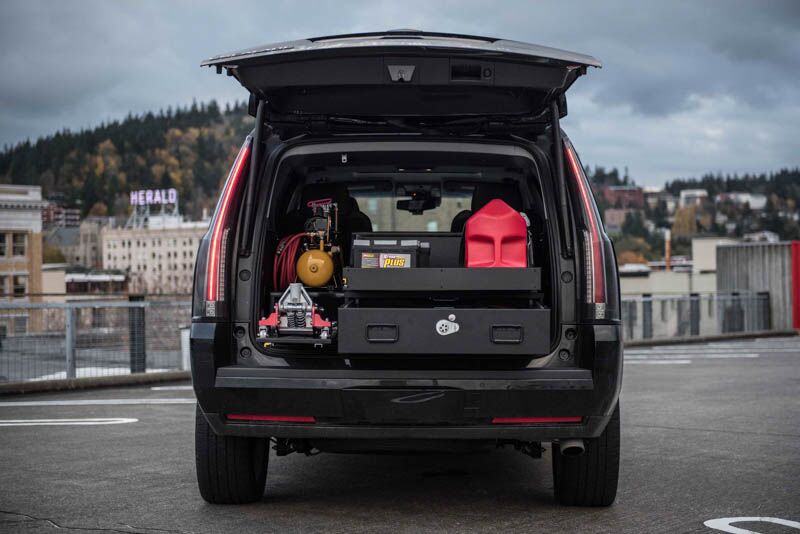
(514, 324)
(444, 331)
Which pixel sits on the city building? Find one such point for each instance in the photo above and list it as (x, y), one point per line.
(89, 283)
(54, 287)
(88, 248)
(20, 241)
(750, 268)
(653, 196)
(56, 215)
(79, 245)
(692, 197)
(65, 240)
(158, 256)
(754, 200)
(623, 196)
(20, 255)
(614, 218)
(704, 253)
(764, 236)
(697, 274)
(62, 282)
(681, 264)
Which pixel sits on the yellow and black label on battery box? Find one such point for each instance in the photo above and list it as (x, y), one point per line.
(395, 261)
(385, 260)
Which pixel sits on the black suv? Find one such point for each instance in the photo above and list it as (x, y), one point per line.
(406, 256)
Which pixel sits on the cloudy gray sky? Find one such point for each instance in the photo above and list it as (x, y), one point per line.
(686, 87)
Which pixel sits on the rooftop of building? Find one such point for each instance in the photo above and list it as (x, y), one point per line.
(63, 236)
(161, 222)
(79, 273)
(27, 196)
(624, 188)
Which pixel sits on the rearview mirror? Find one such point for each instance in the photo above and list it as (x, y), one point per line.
(418, 204)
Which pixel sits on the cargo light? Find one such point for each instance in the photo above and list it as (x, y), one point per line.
(214, 278)
(535, 420)
(595, 274)
(272, 418)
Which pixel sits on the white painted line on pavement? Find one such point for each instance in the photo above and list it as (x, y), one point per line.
(723, 356)
(171, 388)
(688, 355)
(713, 351)
(723, 524)
(96, 402)
(658, 362)
(68, 422)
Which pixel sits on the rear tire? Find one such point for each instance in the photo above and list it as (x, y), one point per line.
(591, 478)
(230, 469)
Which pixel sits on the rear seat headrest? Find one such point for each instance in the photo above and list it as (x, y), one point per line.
(485, 193)
(336, 192)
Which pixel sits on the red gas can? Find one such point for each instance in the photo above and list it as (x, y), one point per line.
(496, 236)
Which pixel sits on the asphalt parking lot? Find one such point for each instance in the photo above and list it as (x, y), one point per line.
(709, 431)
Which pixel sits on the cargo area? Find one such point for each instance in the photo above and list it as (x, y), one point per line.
(389, 256)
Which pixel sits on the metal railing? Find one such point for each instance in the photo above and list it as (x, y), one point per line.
(51, 340)
(706, 314)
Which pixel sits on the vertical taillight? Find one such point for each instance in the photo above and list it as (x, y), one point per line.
(220, 232)
(594, 260)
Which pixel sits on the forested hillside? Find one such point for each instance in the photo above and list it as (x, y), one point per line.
(190, 149)
(784, 184)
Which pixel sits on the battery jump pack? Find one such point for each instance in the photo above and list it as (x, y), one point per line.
(390, 253)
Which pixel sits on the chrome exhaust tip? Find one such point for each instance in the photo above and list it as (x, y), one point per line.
(571, 447)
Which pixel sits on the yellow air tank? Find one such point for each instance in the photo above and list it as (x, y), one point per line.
(315, 267)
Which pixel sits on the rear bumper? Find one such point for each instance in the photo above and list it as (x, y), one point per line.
(372, 404)
(591, 427)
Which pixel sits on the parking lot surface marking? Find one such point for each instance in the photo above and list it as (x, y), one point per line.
(723, 524)
(715, 439)
(658, 362)
(68, 422)
(95, 402)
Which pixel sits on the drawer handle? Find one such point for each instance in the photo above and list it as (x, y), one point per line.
(383, 333)
(507, 334)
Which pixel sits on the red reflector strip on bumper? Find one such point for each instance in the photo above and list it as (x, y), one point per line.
(534, 420)
(272, 418)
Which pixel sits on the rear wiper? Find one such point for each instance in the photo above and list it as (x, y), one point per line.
(354, 121)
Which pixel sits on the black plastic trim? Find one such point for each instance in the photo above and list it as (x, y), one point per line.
(529, 379)
(591, 427)
(459, 279)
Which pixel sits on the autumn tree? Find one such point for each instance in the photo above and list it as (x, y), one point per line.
(685, 222)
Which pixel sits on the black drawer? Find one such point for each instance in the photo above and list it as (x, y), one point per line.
(459, 279)
(444, 331)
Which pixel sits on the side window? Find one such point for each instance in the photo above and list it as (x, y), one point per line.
(18, 245)
(20, 325)
(3, 286)
(20, 285)
(3, 246)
